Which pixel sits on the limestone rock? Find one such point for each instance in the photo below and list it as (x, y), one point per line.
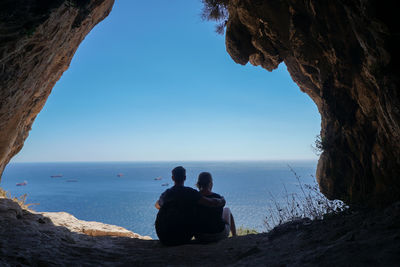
(344, 55)
(38, 40)
(11, 210)
(89, 228)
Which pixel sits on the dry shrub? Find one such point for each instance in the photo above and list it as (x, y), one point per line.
(309, 203)
(21, 200)
(3, 193)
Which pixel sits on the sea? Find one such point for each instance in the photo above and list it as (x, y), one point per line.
(124, 193)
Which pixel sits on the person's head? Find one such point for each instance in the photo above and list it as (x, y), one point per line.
(204, 181)
(179, 175)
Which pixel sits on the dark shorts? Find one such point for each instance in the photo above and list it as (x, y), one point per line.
(213, 237)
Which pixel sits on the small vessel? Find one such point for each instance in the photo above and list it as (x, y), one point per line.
(158, 178)
(56, 176)
(166, 184)
(120, 174)
(22, 184)
(71, 180)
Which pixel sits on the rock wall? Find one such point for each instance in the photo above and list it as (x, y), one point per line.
(38, 40)
(343, 54)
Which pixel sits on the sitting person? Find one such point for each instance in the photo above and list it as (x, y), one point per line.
(175, 222)
(213, 223)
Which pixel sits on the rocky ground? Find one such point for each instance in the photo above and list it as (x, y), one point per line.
(357, 238)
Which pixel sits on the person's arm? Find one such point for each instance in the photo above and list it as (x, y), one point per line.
(160, 201)
(212, 202)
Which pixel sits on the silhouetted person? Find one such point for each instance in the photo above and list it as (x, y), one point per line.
(175, 222)
(213, 223)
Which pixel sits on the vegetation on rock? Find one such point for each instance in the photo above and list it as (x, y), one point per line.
(21, 200)
(241, 231)
(216, 10)
(309, 204)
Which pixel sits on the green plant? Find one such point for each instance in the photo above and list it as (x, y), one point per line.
(77, 3)
(216, 10)
(309, 203)
(71, 3)
(30, 31)
(320, 145)
(245, 231)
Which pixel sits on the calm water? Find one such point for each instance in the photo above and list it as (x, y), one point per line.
(93, 191)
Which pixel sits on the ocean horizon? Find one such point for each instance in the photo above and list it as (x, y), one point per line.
(124, 193)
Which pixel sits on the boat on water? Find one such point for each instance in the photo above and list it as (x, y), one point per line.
(71, 180)
(166, 184)
(158, 178)
(22, 184)
(120, 174)
(56, 176)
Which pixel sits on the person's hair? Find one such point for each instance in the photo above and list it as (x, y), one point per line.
(204, 180)
(179, 174)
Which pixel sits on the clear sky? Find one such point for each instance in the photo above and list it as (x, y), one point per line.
(154, 82)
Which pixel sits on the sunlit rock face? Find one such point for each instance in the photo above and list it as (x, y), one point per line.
(344, 55)
(38, 40)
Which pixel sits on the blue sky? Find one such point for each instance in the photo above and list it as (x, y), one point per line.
(154, 82)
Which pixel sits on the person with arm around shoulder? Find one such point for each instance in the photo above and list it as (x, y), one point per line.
(175, 222)
(213, 223)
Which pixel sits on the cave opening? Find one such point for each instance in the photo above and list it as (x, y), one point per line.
(138, 79)
(162, 94)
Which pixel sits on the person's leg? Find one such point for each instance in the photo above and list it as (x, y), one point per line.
(233, 226)
(228, 218)
(226, 215)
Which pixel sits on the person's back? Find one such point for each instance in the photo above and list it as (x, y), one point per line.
(209, 220)
(175, 219)
(213, 224)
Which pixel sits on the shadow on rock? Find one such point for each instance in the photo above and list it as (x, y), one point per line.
(356, 237)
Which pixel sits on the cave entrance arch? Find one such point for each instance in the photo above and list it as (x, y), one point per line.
(72, 104)
(353, 83)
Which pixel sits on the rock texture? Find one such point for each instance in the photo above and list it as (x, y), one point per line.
(38, 40)
(88, 228)
(10, 210)
(357, 238)
(344, 55)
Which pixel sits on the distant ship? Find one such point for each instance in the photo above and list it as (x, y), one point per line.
(120, 174)
(71, 180)
(22, 184)
(158, 178)
(56, 176)
(166, 184)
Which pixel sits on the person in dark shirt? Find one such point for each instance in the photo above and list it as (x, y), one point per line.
(175, 222)
(213, 223)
